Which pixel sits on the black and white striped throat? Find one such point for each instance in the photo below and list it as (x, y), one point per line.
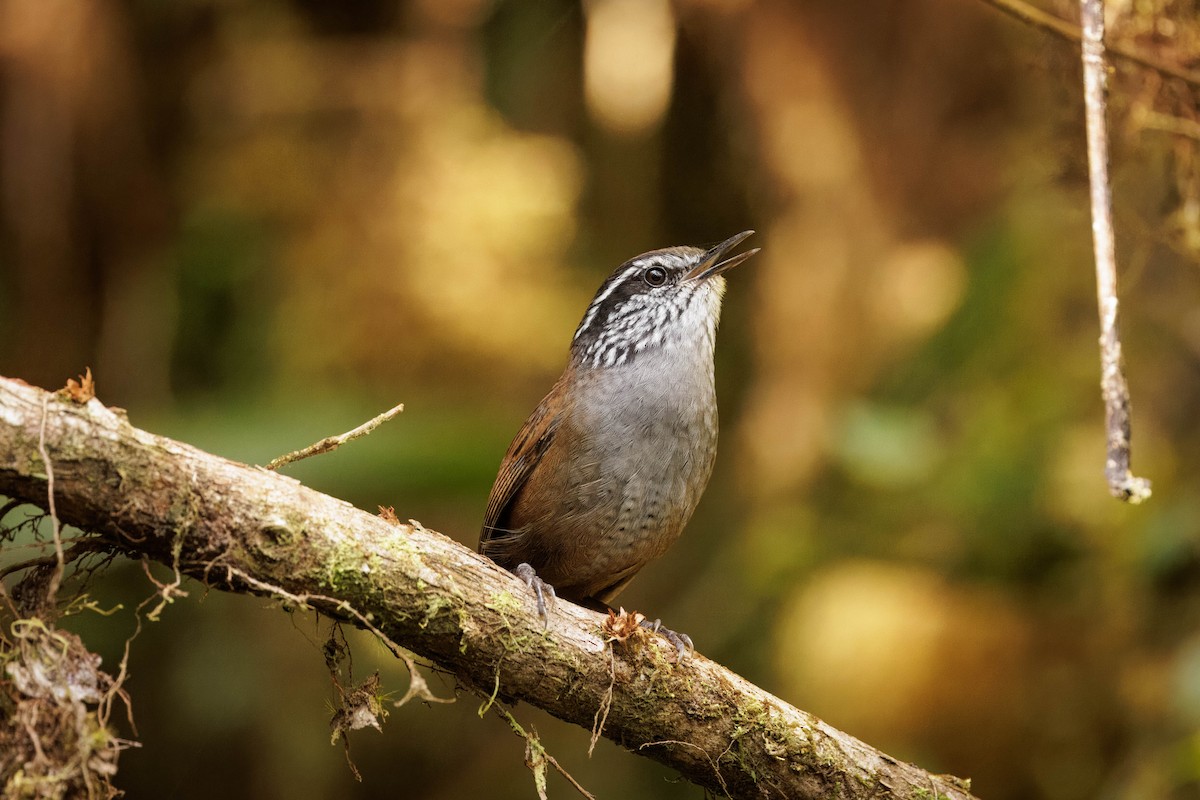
(637, 307)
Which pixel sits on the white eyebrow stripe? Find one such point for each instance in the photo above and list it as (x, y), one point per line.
(636, 266)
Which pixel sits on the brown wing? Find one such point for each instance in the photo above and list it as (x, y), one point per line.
(526, 450)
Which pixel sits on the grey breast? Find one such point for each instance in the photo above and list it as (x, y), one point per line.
(635, 479)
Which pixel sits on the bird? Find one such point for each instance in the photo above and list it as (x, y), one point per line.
(608, 469)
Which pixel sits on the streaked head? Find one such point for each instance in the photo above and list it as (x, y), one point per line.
(661, 297)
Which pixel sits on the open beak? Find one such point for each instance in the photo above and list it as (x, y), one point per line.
(712, 264)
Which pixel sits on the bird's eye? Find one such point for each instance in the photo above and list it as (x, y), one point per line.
(656, 276)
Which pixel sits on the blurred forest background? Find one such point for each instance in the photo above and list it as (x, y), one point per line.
(261, 223)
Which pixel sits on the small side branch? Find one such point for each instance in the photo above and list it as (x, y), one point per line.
(330, 443)
(1121, 482)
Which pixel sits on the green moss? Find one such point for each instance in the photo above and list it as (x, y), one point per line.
(346, 568)
(926, 794)
(437, 604)
(399, 547)
(504, 603)
(758, 723)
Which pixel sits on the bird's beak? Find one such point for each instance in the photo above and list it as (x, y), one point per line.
(712, 264)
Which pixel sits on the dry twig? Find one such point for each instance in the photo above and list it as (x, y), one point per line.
(1121, 482)
(59, 560)
(330, 443)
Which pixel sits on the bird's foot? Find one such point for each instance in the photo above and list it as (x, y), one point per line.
(683, 642)
(540, 588)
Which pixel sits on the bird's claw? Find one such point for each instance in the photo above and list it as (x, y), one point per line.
(540, 588)
(683, 642)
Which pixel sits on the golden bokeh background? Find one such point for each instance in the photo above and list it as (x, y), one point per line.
(261, 223)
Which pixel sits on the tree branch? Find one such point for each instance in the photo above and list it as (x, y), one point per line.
(242, 528)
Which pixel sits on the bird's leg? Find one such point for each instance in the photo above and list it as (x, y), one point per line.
(526, 572)
(683, 642)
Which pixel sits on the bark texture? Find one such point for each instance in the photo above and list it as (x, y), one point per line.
(242, 528)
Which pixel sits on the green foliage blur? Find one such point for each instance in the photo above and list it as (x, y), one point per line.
(264, 223)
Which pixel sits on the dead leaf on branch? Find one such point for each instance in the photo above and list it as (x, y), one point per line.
(535, 760)
(361, 708)
(82, 390)
(619, 625)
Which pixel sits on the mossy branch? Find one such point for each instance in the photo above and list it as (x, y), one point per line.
(243, 528)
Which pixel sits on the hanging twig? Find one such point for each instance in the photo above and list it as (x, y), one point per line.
(1121, 482)
(59, 560)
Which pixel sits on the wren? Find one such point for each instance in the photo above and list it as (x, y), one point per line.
(606, 472)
